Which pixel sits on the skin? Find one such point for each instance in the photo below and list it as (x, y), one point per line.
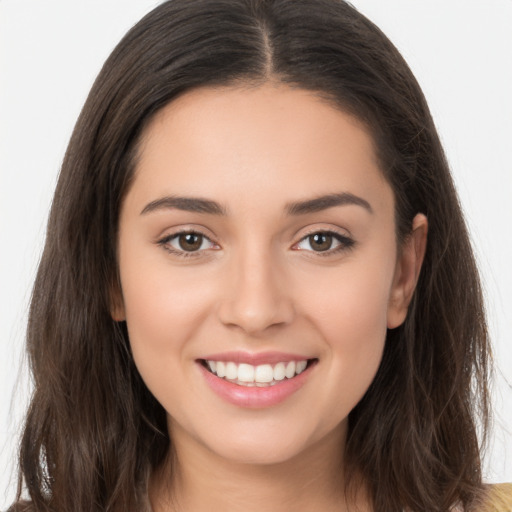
(258, 284)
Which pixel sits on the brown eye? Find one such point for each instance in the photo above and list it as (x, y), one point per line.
(187, 244)
(320, 241)
(327, 242)
(190, 241)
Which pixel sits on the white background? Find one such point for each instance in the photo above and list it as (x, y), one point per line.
(50, 52)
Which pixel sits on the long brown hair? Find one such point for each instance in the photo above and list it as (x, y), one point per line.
(94, 433)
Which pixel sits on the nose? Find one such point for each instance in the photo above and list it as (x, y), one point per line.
(256, 295)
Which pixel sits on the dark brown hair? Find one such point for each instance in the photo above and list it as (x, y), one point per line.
(94, 433)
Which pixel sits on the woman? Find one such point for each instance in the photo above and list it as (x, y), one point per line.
(257, 288)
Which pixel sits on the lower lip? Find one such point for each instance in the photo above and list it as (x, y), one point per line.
(252, 396)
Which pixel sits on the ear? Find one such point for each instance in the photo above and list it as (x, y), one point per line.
(116, 302)
(407, 271)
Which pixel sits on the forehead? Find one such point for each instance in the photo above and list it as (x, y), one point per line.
(232, 142)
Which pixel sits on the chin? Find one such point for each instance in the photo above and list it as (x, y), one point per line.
(269, 444)
(260, 454)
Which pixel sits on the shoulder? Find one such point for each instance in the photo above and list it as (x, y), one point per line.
(498, 498)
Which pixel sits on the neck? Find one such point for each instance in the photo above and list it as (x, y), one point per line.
(195, 478)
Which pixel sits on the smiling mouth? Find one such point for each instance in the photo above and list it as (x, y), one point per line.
(263, 375)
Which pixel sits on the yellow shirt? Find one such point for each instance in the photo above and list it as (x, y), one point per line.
(498, 499)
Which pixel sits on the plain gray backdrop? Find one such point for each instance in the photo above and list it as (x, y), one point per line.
(50, 53)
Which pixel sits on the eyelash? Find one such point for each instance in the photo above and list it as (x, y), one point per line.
(164, 242)
(345, 243)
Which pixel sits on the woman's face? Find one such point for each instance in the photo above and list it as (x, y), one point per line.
(259, 236)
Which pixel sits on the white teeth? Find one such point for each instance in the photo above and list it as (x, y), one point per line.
(231, 371)
(245, 372)
(262, 375)
(301, 366)
(289, 370)
(221, 369)
(279, 371)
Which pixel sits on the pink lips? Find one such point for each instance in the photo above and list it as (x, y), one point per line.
(255, 397)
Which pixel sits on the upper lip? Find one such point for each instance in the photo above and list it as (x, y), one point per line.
(257, 358)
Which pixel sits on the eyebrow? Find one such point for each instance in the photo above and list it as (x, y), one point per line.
(188, 204)
(328, 201)
(200, 205)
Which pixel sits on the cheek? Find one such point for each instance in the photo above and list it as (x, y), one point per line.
(164, 310)
(349, 310)
(164, 316)
(351, 303)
